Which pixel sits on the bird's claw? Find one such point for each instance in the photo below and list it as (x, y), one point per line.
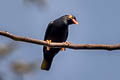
(68, 43)
(48, 41)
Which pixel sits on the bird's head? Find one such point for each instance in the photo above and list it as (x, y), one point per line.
(71, 19)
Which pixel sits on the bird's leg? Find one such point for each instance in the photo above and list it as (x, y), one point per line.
(68, 43)
(48, 41)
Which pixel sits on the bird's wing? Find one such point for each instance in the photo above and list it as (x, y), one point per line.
(48, 30)
(66, 36)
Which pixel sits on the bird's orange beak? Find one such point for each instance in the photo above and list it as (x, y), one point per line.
(74, 21)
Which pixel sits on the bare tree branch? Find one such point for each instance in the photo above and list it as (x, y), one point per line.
(61, 45)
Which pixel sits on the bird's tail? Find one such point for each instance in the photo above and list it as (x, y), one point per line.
(46, 64)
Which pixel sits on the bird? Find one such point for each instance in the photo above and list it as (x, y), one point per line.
(57, 31)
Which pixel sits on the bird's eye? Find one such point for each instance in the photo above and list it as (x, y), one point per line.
(74, 18)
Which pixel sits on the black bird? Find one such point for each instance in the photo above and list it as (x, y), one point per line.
(57, 31)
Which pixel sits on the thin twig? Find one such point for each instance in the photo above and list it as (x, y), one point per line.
(61, 45)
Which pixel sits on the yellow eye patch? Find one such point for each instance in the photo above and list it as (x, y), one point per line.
(70, 16)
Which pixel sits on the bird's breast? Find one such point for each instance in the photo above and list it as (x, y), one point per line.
(59, 35)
